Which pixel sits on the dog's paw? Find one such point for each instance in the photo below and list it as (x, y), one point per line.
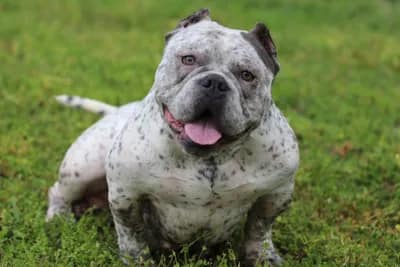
(138, 258)
(257, 253)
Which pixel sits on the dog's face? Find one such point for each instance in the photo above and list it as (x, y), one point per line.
(213, 84)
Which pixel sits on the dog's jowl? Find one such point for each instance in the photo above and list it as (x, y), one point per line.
(204, 151)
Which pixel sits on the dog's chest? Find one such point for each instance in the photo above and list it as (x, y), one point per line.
(203, 202)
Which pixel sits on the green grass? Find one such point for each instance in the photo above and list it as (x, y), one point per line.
(339, 86)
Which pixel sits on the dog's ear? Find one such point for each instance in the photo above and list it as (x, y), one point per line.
(202, 14)
(262, 34)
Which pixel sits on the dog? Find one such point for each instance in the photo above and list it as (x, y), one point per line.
(205, 150)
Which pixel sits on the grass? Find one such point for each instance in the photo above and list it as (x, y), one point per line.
(339, 87)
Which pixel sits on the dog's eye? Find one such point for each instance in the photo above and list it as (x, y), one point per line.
(188, 60)
(247, 76)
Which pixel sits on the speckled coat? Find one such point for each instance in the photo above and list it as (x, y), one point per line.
(163, 195)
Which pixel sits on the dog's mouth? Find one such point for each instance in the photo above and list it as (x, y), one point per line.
(202, 132)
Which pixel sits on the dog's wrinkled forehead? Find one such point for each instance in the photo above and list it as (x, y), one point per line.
(207, 35)
(198, 31)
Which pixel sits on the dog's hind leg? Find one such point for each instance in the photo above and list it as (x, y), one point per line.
(82, 182)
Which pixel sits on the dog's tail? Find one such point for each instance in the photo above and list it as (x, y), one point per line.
(86, 104)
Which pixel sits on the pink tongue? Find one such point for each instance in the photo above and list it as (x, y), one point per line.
(202, 132)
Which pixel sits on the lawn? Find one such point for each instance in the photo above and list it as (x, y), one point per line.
(339, 86)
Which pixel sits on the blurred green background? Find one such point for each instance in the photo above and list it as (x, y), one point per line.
(339, 86)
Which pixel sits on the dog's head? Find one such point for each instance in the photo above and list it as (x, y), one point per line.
(213, 84)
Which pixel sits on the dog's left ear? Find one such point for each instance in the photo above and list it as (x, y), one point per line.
(262, 34)
(202, 14)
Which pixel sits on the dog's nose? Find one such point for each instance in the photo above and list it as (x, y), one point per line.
(214, 82)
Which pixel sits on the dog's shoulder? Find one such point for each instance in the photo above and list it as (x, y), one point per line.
(275, 145)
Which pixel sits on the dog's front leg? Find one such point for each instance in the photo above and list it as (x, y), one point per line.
(130, 228)
(258, 246)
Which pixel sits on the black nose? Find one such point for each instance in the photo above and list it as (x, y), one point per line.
(214, 82)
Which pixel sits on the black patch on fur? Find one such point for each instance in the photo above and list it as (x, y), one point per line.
(202, 14)
(210, 172)
(260, 38)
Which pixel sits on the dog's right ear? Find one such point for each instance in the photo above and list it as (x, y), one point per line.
(202, 14)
